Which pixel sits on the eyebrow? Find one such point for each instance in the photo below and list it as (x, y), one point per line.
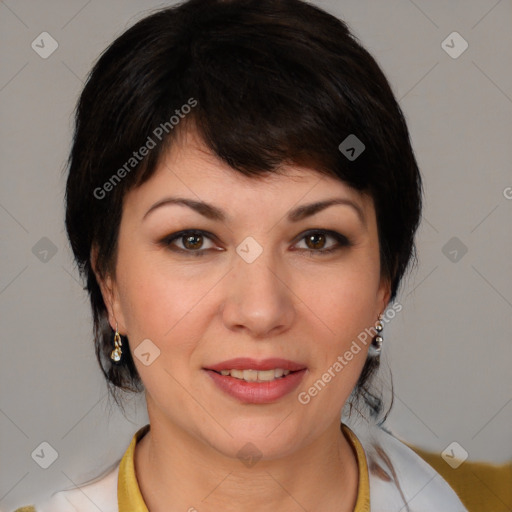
(212, 212)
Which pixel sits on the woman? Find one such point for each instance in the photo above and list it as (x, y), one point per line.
(242, 201)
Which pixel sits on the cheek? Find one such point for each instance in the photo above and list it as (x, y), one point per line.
(161, 305)
(340, 306)
(153, 312)
(153, 297)
(343, 297)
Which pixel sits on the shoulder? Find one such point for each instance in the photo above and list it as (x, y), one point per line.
(399, 477)
(100, 494)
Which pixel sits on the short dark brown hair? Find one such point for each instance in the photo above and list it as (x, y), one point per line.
(273, 81)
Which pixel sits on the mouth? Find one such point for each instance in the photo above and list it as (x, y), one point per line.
(256, 375)
(254, 370)
(258, 382)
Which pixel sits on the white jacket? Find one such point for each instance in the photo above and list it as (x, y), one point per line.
(400, 481)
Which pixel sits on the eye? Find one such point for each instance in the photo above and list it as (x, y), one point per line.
(316, 239)
(192, 242)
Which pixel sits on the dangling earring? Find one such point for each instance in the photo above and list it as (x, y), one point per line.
(376, 345)
(117, 353)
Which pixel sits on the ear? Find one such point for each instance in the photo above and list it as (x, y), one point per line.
(110, 293)
(383, 294)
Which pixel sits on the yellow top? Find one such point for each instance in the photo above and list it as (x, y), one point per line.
(130, 499)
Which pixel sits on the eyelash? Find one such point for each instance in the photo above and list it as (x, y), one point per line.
(342, 241)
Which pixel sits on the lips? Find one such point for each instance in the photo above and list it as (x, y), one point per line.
(257, 382)
(246, 363)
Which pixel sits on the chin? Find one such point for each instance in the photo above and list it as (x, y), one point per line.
(265, 439)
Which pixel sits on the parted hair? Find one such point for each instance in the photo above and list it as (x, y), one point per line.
(273, 82)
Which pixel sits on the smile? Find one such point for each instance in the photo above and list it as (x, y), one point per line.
(255, 381)
(256, 375)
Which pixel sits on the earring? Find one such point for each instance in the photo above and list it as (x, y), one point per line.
(117, 353)
(376, 345)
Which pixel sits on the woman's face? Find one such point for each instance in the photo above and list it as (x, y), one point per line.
(257, 284)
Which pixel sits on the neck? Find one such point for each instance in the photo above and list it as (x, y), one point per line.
(176, 471)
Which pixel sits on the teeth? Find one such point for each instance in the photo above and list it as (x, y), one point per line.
(251, 375)
(256, 375)
(239, 374)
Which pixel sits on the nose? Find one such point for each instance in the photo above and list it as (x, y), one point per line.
(259, 298)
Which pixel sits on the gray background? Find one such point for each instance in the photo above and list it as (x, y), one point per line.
(450, 347)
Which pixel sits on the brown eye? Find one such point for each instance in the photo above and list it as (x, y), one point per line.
(189, 242)
(192, 241)
(316, 241)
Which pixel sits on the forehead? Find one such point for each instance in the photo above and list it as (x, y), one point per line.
(190, 169)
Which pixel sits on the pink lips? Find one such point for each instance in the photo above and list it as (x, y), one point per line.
(257, 392)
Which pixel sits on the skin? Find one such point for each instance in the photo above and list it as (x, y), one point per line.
(203, 310)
